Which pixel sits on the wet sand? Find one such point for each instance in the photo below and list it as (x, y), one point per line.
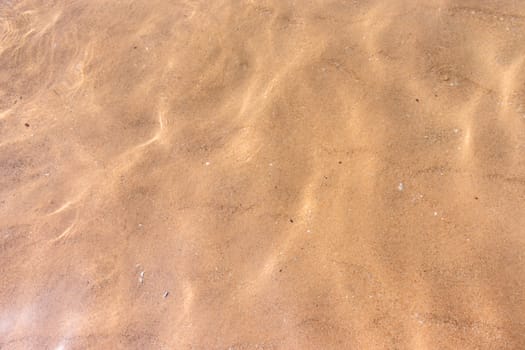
(262, 174)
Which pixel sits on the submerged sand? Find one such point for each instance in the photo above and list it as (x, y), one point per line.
(262, 174)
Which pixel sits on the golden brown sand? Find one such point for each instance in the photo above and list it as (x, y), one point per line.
(262, 174)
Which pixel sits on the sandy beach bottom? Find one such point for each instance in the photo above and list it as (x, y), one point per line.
(262, 174)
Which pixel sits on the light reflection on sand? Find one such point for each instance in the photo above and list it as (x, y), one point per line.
(245, 160)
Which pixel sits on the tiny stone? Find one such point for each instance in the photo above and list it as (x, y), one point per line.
(435, 213)
(166, 293)
(400, 187)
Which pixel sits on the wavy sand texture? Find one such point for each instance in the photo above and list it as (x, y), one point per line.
(272, 174)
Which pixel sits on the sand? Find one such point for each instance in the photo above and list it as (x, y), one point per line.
(262, 174)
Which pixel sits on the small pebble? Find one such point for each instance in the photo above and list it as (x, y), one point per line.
(141, 277)
(400, 187)
(165, 295)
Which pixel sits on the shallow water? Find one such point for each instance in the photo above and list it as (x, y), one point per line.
(262, 174)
